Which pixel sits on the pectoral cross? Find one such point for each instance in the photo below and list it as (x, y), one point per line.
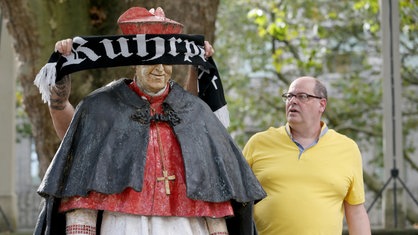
(166, 178)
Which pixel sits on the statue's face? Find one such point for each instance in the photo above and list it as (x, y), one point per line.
(153, 78)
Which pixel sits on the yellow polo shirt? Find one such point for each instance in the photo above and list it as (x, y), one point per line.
(305, 187)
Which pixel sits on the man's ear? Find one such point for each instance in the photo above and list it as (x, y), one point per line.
(323, 104)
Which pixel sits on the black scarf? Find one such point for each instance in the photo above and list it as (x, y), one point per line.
(140, 49)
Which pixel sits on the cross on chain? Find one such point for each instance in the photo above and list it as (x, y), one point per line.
(166, 178)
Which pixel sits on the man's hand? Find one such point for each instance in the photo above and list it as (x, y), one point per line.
(209, 51)
(64, 46)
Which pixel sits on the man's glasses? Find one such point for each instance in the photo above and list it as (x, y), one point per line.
(303, 97)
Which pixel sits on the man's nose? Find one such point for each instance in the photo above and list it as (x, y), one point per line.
(292, 99)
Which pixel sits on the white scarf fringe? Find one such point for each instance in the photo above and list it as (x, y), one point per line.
(45, 81)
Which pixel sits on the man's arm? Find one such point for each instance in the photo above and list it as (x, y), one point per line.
(60, 107)
(191, 83)
(357, 219)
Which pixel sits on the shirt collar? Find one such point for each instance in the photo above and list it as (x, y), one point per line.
(324, 129)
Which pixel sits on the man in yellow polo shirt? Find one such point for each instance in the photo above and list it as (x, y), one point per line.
(312, 174)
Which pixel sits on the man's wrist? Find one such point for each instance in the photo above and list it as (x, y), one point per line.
(57, 104)
(60, 94)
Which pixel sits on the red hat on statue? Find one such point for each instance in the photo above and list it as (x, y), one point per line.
(138, 20)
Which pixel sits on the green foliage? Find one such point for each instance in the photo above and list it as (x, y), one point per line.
(336, 41)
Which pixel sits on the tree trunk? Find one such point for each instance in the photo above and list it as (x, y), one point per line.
(36, 25)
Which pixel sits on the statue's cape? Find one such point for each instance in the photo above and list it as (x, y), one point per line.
(105, 148)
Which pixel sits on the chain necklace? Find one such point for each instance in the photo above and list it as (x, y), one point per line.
(166, 178)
